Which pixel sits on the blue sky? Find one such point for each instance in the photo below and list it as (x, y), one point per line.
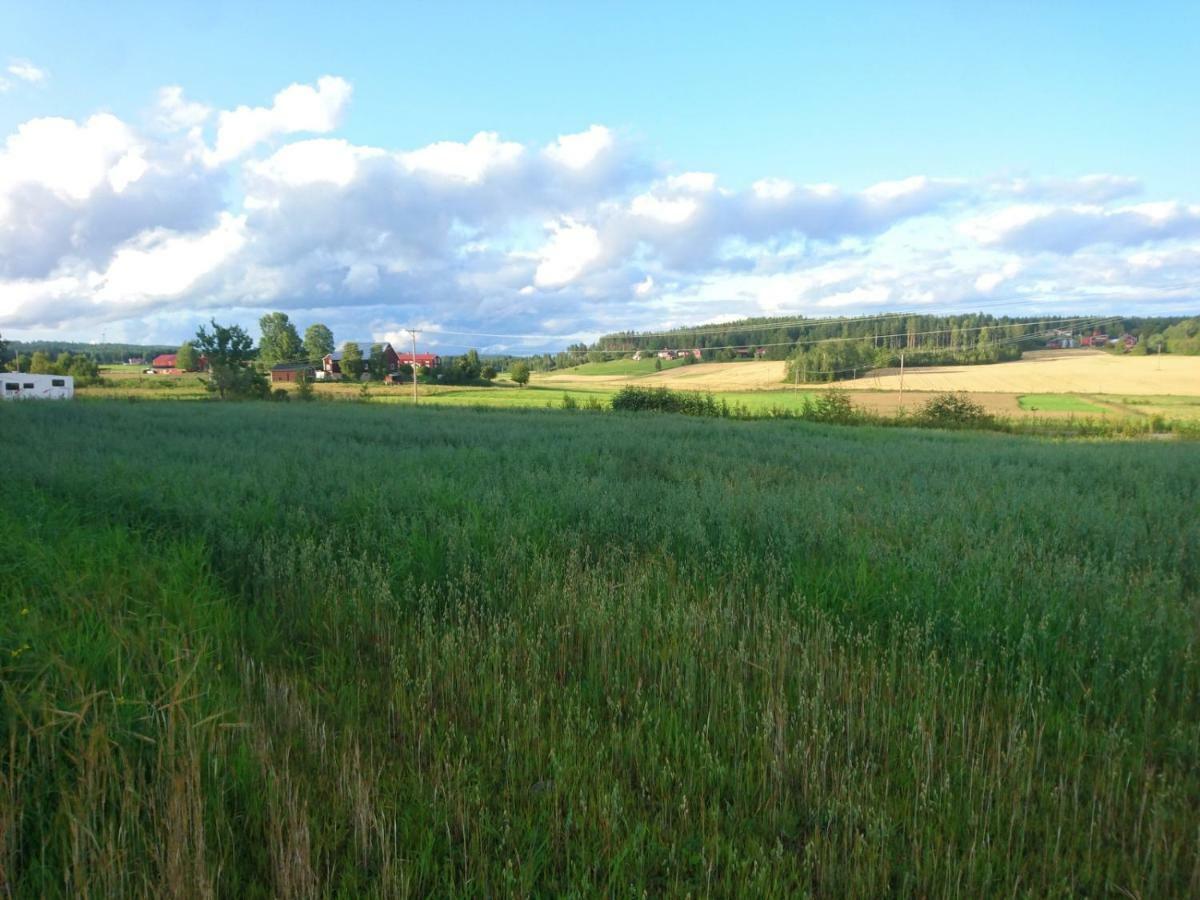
(1000, 110)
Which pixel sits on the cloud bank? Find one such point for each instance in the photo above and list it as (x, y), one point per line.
(143, 229)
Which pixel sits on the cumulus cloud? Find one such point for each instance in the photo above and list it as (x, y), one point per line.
(1065, 229)
(138, 226)
(297, 108)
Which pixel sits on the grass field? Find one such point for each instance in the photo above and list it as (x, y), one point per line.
(1060, 403)
(291, 650)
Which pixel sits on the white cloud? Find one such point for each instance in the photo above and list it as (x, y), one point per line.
(313, 161)
(26, 71)
(1067, 229)
(671, 211)
(165, 265)
(67, 158)
(177, 113)
(578, 151)
(571, 248)
(469, 162)
(297, 108)
(103, 220)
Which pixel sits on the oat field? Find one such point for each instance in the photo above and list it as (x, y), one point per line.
(294, 650)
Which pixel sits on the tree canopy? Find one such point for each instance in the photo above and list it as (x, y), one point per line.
(352, 360)
(186, 358)
(279, 341)
(228, 349)
(318, 342)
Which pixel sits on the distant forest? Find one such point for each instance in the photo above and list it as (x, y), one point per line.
(100, 353)
(865, 342)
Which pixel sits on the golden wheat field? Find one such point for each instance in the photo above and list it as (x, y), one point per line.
(1042, 371)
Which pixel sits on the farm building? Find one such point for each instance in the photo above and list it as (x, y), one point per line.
(136, 361)
(23, 386)
(164, 364)
(292, 372)
(425, 360)
(331, 363)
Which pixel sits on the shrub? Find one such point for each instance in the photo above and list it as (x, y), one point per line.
(639, 399)
(953, 410)
(833, 406)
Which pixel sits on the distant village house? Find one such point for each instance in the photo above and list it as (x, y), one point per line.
(164, 364)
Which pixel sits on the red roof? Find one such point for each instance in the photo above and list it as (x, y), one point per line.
(423, 359)
(164, 361)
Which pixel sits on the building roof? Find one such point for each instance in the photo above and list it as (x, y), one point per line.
(286, 367)
(164, 361)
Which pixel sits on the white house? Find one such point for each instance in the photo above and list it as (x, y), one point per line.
(23, 386)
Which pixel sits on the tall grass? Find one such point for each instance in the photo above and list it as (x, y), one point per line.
(292, 650)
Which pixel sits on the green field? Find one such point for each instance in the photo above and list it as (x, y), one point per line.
(353, 649)
(1061, 403)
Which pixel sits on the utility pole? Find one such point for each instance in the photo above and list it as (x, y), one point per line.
(901, 379)
(414, 364)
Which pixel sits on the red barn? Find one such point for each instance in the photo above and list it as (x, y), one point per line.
(425, 360)
(164, 364)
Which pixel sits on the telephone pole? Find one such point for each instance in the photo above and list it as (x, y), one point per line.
(901, 379)
(414, 363)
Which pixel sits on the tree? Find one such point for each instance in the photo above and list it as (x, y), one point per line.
(40, 364)
(279, 341)
(519, 372)
(488, 373)
(352, 360)
(3, 350)
(318, 342)
(377, 365)
(21, 362)
(228, 350)
(185, 357)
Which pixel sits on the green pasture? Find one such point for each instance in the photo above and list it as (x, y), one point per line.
(1061, 403)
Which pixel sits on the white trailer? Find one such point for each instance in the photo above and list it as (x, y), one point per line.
(23, 386)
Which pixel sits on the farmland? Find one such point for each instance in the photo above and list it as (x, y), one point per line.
(1043, 371)
(282, 649)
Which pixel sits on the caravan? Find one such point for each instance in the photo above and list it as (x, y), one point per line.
(23, 386)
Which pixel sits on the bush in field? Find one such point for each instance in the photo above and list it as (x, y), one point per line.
(639, 399)
(832, 406)
(519, 373)
(953, 410)
(230, 375)
(304, 388)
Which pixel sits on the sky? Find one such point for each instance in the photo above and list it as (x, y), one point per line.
(519, 176)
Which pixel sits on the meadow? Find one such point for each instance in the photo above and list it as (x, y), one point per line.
(292, 650)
